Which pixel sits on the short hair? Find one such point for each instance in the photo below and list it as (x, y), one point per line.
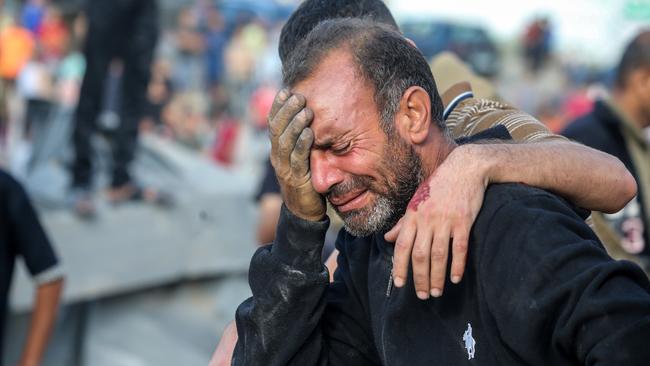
(635, 56)
(312, 12)
(384, 58)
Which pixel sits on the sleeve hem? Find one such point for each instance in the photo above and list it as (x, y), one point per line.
(49, 275)
(298, 242)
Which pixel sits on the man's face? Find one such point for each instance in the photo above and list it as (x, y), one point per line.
(367, 176)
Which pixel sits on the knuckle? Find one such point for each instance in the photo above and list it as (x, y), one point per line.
(295, 101)
(301, 145)
(402, 245)
(297, 160)
(419, 255)
(461, 246)
(437, 254)
(283, 143)
(297, 122)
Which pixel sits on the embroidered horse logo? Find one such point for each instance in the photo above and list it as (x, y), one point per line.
(470, 343)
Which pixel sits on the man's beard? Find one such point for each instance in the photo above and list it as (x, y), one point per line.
(401, 170)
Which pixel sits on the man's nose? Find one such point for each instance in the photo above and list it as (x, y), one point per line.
(324, 172)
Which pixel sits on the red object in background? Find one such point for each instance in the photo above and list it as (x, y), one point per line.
(224, 145)
(577, 105)
(53, 36)
(261, 102)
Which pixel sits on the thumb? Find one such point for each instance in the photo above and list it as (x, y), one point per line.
(391, 235)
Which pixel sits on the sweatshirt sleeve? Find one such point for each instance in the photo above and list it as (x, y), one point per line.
(292, 318)
(555, 295)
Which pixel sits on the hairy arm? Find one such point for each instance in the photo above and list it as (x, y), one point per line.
(587, 177)
(42, 322)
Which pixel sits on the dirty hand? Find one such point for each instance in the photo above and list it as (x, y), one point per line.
(291, 140)
(442, 210)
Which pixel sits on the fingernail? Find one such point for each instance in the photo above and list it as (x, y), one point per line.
(436, 292)
(422, 295)
(399, 282)
(455, 279)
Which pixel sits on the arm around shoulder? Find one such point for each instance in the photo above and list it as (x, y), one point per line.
(589, 178)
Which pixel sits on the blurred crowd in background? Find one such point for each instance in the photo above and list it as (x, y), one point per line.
(216, 68)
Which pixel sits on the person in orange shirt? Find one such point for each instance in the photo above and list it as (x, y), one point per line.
(16, 47)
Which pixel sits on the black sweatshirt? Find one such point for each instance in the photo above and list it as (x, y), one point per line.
(539, 289)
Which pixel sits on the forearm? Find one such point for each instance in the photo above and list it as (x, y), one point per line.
(280, 322)
(587, 177)
(42, 322)
(223, 353)
(269, 212)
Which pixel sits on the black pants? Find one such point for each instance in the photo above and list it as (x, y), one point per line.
(127, 30)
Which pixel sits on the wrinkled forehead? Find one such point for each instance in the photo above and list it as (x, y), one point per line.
(338, 95)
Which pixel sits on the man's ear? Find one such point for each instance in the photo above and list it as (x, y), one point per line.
(414, 115)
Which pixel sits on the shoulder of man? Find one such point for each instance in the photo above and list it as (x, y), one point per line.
(518, 219)
(474, 115)
(542, 268)
(524, 198)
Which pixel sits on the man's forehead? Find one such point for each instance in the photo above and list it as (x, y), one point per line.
(333, 76)
(336, 93)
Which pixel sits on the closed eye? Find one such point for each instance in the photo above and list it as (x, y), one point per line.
(340, 150)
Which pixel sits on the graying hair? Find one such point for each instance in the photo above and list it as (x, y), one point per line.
(383, 56)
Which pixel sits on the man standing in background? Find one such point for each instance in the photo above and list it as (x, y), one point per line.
(616, 126)
(125, 30)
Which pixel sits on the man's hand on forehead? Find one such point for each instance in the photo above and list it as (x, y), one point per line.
(291, 142)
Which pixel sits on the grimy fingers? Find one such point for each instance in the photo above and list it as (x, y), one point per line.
(278, 102)
(287, 141)
(279, 122)
(300, 154)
